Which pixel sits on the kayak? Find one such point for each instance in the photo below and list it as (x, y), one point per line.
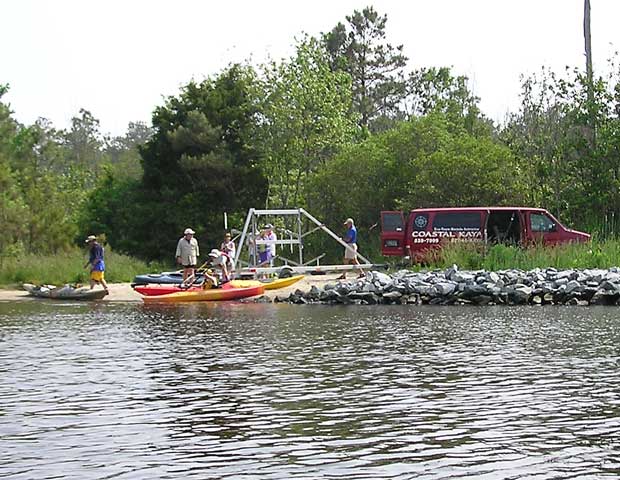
(269, 284)
(200, 295)
(152, 290)
(66, 292)
(164, 278)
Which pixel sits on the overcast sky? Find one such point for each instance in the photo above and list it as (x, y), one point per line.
(118, 59)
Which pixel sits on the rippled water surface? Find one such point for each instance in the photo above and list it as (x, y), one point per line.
(289, 392)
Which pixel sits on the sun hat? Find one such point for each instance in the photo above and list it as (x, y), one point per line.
(188, 231)
(269, 226)
(90, 238)
(348, 220)
(215, 253)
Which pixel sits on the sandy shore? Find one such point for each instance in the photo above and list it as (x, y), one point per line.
(122, 292)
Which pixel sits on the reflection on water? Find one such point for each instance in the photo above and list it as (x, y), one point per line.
(279, 391)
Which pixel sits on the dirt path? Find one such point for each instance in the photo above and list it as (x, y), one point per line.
(122, 292)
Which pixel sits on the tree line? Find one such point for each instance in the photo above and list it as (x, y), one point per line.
(340, 128)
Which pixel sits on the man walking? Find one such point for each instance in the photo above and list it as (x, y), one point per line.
(96, 263)
(350, 252)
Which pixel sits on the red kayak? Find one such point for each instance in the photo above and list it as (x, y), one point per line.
(201, 295)
(154, 289)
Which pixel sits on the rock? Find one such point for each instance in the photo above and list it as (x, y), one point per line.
(392, 295)
(482, 299)
(573, 286)
(380, 277)
(450, 272)
(443, 288)
(576, 302)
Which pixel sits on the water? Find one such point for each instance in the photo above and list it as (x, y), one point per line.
(289, 392)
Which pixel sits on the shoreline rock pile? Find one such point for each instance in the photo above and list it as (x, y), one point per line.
(453, 287)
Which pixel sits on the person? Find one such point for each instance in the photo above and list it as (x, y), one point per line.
(228, 247)
(350, 252)
(187, 253)
(271, 236)
(220, 260)
(264, 248)
(96, 263)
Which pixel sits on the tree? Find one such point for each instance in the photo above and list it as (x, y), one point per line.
(375, 66)
(198, 164)
(304, 121)
(427, 161)
(551, 132)
(437, 90)
(123, 152)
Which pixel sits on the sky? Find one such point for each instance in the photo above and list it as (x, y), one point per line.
(119, 59)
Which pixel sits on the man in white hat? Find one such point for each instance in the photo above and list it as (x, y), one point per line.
(350, 252)
(187, 253)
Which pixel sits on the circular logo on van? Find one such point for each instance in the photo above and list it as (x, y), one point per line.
(421, 221)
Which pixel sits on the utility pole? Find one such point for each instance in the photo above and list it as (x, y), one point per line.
(589, 74)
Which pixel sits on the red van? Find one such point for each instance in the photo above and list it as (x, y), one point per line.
(426, 228)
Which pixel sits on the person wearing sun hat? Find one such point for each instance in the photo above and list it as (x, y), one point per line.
(220, 260)
(350, 252)
(96, 263)
(187, 253)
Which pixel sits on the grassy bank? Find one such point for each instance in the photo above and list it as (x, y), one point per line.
(68, 267)
(468, 256)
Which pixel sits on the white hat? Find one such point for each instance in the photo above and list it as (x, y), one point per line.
(348, 220)
(215, 253)
(91, 238)
(269, 226)
(188, 231)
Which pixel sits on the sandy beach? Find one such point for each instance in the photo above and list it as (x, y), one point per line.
(122, 292)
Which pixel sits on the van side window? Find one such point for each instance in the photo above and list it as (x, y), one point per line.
(457, 221)
(541, 223)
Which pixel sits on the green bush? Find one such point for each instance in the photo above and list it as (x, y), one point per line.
(68, 267)
(471, 256)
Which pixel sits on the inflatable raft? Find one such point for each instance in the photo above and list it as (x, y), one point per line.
(66, 292)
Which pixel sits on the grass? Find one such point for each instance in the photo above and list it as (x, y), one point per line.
(68, 267)
(470, 256)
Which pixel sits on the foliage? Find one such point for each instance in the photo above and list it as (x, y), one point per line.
(304, 121)
(421, 163)
(437, 90)
(470, 256)
(570, 139)
(68, 267)
(198, 164)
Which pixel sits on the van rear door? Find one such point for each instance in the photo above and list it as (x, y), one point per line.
(392, 233)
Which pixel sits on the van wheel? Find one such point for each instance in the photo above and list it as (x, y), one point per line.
(285, 272)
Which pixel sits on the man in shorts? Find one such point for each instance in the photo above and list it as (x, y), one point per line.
(187, 253)
(350, 252)
(96, 263)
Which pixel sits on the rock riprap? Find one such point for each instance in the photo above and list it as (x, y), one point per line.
(454, 287)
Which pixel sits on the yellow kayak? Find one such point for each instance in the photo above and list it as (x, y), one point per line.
(210, 295)
(268, 284)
